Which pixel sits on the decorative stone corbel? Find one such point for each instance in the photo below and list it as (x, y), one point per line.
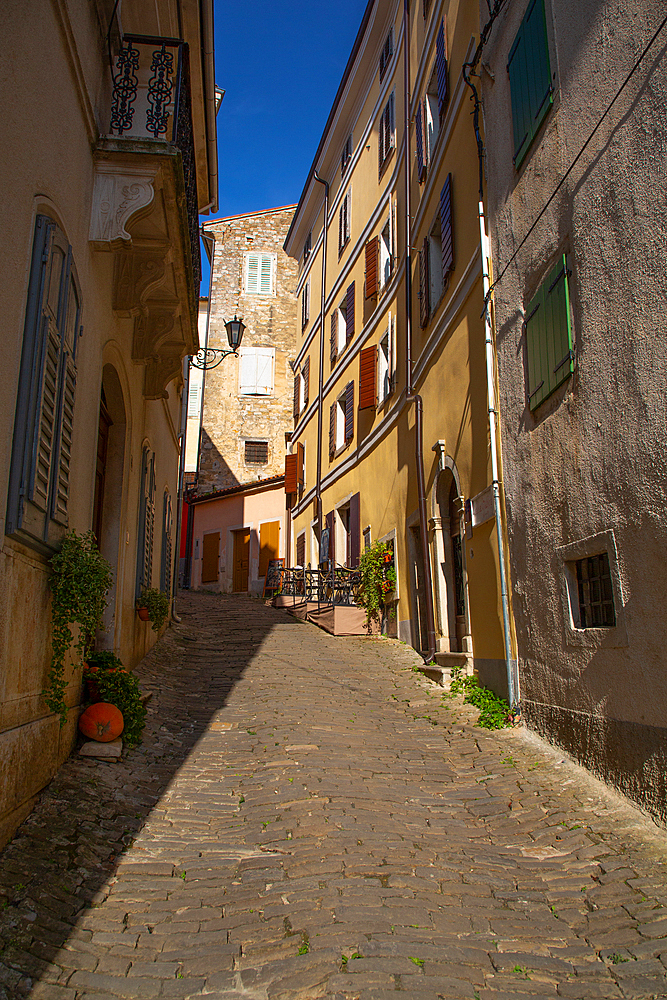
(151, 329)
(160, 372)
(136, 276)
(120, 192)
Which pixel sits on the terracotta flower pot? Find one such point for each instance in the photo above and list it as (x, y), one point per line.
(143, 614)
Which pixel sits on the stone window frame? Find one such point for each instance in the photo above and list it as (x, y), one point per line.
(610, 636)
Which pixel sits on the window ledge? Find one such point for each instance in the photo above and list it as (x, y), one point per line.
(606, 637)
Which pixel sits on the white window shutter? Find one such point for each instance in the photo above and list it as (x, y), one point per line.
(264, 383)
(252, 274)
(248, 372)
(194, 400)
(266, 274)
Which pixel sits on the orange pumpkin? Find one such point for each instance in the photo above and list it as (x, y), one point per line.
(101, 722)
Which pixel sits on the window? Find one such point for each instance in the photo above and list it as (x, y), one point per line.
(595, 593)
(386, 134)
(194, 400)
(436, 258)
(146, 522)
(256, 371)
(301, 389)
(386, 252)
(346, 156)
(307, 247)
(341, 420)
(431, 116)
(260, 273)
(165, 561)
(386, 361)
(39, 479)
(387, 53)
(256, 452)
(530, 79)
(342, 324)
(301, 549)
(431, 110)
(344, 222)
(305, 305)
(549, 348)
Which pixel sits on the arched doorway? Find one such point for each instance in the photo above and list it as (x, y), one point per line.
(448, 531)
(107, 504)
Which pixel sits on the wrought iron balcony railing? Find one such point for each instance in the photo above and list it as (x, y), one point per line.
(331, 588)
(151, 100)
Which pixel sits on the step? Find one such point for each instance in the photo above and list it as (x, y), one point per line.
(445, 663)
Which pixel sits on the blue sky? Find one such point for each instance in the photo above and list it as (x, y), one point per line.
(280, 67)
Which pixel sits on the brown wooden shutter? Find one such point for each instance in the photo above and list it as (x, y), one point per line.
(299, 464)
(349, 313)
(367, 377)
(305, 375)
(334, 336)
(419, 132)
(355, 530)
(441, 69)
(372, 257)
(349, 412)
(332, 430)
(446, 228)
(295, 404)
(424, 305)
(301, 549)
(290, 473)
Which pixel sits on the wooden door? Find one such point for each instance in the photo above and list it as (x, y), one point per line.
(269, 541)
(100, 470)
(209, 571)
(241, 559)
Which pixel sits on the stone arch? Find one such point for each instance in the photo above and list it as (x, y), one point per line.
(448, 552)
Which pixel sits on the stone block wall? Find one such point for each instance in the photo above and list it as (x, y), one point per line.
(230, 418)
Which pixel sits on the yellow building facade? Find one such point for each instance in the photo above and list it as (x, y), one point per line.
(390, 399)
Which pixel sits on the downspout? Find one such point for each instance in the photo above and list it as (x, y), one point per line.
(513, 689)
(181, 475)
(318, 486)
(208, 59)
(413, 397)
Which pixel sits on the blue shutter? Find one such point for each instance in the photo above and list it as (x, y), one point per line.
(446, 228)
(349, 313)
(419, 131)
(441, 69)
(349, 412)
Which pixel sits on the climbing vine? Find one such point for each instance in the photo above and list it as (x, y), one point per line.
(378, 580)
(79, 582)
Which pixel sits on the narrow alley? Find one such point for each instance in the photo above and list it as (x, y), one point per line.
(309, 817)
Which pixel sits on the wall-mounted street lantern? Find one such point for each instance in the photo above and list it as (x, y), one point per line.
(210, 357)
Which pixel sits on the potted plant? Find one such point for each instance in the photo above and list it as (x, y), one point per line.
(153, 606)
(389, 583)
(110, 682)
(80, 579)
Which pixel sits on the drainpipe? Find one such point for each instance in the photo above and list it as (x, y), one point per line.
(181, 476)
(413, 397)
(318, 486)
(513, 690)
(512, 673)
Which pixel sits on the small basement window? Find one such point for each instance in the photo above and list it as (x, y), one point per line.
(595, 593)
(257, 452)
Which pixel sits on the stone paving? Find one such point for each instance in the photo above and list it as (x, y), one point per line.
(310, 817)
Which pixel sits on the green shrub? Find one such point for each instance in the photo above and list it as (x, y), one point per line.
(118, 686)
(157, 604)
(494, 712)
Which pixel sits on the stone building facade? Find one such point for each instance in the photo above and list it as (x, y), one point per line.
(248, 400)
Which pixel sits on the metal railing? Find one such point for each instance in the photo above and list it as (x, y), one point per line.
(151, 100)
(337, 587)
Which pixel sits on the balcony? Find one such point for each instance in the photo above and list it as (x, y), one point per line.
(145, 206)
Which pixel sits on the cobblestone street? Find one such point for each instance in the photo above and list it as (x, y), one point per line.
(308, 816)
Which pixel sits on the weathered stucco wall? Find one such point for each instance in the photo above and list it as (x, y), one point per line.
(52, 117)
(586, 468)
(231, 418)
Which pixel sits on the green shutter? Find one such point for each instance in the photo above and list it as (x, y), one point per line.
(550, 355)
(530, 78)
